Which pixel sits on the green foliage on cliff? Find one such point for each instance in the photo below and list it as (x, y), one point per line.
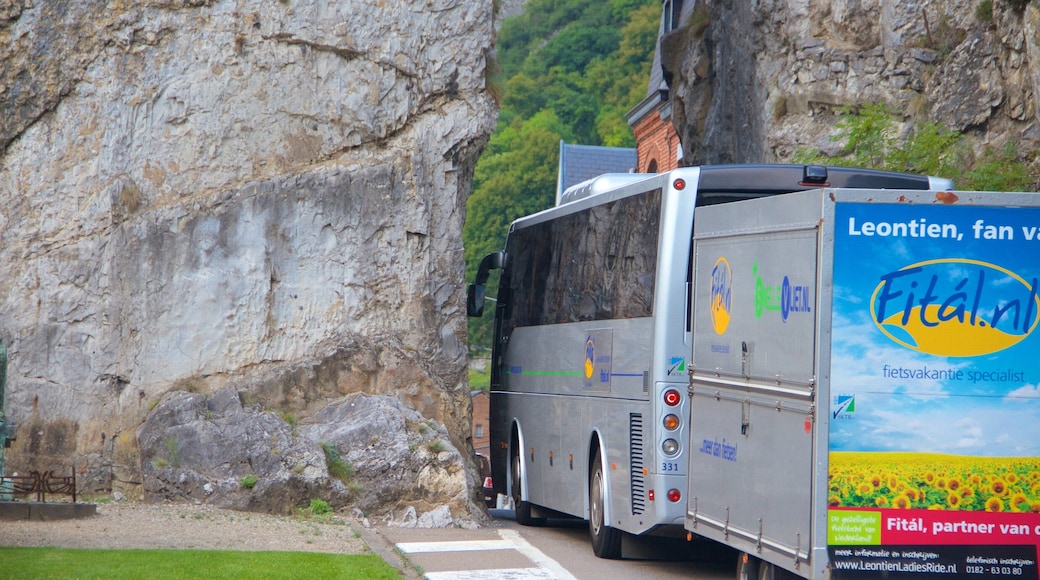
(570, 70)
(873, 139)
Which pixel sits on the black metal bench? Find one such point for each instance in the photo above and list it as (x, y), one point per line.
(39, 485)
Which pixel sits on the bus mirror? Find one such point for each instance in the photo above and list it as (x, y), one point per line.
(475, 300)
(475, 292)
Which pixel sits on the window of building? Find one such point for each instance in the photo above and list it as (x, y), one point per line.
(672, 10)
(478, 430)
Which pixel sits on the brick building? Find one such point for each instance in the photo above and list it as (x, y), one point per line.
(657, 143)
(481, 422)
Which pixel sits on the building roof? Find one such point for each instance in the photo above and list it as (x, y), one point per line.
(657, 88)
(656, 82)
(579, 163)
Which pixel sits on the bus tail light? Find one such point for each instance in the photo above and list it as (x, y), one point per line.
(670, 447)
(672, 397)
(671, 422)
(674, 495)
(650, 495)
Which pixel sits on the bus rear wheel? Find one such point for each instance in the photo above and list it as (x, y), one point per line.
(606, 541)
(768, 571)
(523, 508)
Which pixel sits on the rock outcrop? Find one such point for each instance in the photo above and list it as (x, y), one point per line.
(370, 453)
(259, 195)
(755, 81)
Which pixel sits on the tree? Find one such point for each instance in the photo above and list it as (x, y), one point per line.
(577, 87)
(516, 176)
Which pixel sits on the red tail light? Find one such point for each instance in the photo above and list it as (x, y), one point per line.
(672, 397)
(674, 495)
(487, 482)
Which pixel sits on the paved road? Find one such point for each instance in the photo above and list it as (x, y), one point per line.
(558, 551)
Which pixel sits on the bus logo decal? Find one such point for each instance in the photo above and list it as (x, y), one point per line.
(955, 307)
(787, 298)
(794, 298)
(676, 365)
(721, 294)
(590, 357)
(766, 297)
(844, 406)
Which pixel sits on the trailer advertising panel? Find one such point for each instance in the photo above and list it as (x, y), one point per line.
(934, 426)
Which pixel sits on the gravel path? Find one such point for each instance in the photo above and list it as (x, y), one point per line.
(125, 525)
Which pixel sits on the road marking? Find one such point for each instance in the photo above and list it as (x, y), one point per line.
(500, 574)
(464, 546)
(547, 568)
(536, 555)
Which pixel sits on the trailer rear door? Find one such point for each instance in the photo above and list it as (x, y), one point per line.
(752, 386)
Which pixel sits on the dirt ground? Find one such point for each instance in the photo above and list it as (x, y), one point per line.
(126, 525)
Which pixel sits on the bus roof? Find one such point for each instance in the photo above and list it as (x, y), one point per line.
(719, 183)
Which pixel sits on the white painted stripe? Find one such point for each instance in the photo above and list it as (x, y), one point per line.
(500, 574)
(462, 546)
(536, 555)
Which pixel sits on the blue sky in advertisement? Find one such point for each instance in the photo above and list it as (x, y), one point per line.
(935, 343)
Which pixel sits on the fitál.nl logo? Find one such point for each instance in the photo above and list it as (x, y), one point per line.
(955, 307)
(721, 295)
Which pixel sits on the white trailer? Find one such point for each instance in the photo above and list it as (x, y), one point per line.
(864, 374)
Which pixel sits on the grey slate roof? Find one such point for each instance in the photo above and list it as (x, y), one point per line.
(582, 162)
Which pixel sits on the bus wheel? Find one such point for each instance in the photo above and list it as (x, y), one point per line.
(523, 508)
(606, 541)
(747, 567)
(768, 571)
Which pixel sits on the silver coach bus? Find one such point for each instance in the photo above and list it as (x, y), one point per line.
(589, 409)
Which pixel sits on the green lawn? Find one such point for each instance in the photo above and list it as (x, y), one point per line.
(41, 563)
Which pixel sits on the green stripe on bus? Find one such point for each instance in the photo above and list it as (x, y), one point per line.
(547, 373)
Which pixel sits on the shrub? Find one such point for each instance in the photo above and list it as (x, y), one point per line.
(173, 451)
(435, 446)
(999, 170)
(320, 507)
(338, 467)
(872, 141)
(984, 11)
(289, 419)
(249, 481)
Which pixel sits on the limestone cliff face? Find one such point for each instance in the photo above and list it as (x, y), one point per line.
(258, 194)
(754, 81)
